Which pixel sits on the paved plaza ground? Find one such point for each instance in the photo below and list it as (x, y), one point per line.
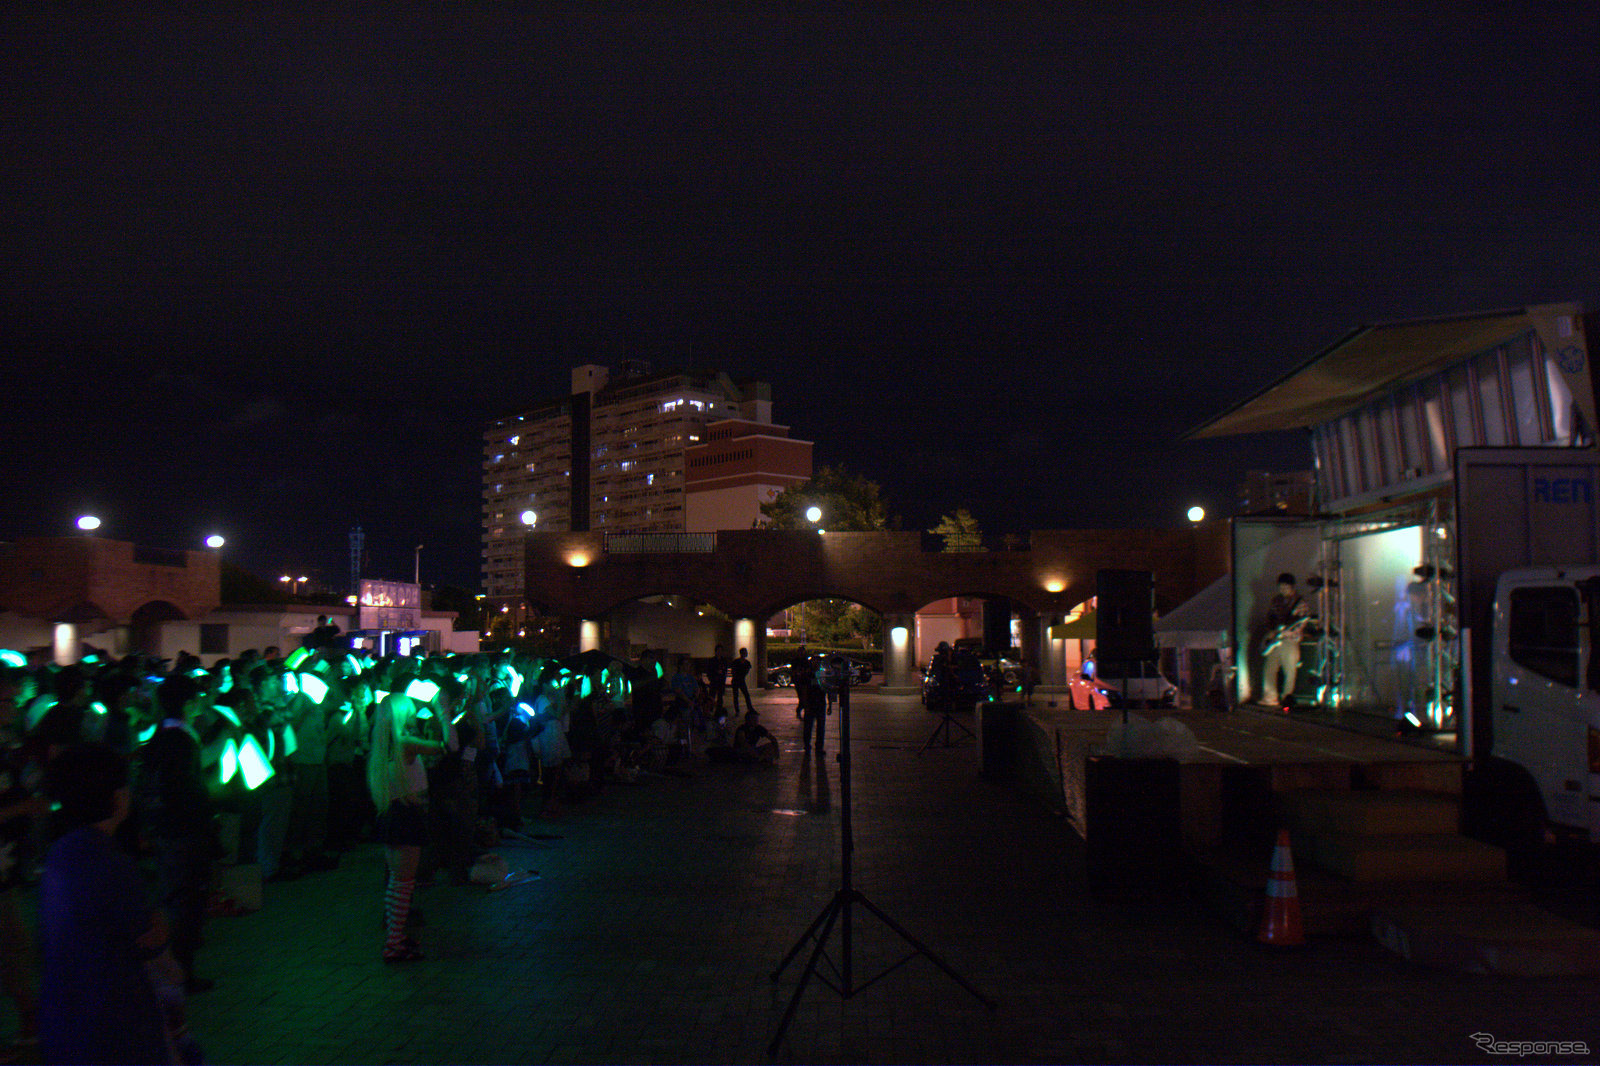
(665, 906)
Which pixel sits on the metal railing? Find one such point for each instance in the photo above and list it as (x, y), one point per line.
(665, 543)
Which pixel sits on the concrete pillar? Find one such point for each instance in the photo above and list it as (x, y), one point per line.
(752, 633)
(899, 659)
(588, 635)
(1052, 657)
(67, 648)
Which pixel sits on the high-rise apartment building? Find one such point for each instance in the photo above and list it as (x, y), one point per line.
(611, 456)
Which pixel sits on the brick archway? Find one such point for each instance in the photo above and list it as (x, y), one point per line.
(750, 574)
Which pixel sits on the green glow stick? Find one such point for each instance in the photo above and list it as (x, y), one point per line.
(272, 745)
(424, 714)
(349, 709)
(38, 709)
(227, 712)
(354, 663)
(255, 765)
(422, 691)
(379, 695)
(290, 743)
(198, 671)
(90, 658)
(12, 658)
(298, 656)
(658, 671)
(99, 708)
(145, 735)
(516, 681)
(229, 764)
(313, 686)
(226, 684)
(586, 687)
(291, 684)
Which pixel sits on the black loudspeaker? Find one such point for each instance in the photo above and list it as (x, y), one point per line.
(1126, 601)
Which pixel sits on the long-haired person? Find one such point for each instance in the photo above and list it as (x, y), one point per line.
(398, 781)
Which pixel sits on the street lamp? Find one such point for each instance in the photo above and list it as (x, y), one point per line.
(529, 518)
(294, 582)
(215, 541)
(416, 577)
(1197, 514)
(88, 523)
(813, 514)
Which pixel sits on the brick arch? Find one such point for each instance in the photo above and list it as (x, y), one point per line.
(678, 592)
(752, 573)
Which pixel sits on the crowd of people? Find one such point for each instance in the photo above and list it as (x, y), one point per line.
(119, 772)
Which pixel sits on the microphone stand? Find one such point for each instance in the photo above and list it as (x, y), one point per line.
(838, 911)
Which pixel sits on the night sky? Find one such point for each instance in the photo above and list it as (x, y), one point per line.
(270, 275)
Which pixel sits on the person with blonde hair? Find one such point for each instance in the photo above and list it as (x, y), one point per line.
(398, 781)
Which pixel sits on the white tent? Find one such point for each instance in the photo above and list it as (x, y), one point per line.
(1202, 621)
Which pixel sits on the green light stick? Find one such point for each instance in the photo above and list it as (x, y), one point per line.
(298, 656)
(254, 764)
(314, 687)
(229, 764)
(12, 658)
(227, 712)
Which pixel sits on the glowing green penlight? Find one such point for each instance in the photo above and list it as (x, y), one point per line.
(586, 687)
(12, 658)
(422, 691)
(226, 684)
(229, 765)
(349, 709)
(38, 709)
(254, 764)
(516, 681)
(379, 695)
(146, 734)
(424, 714)
(291, 684)
(354, 663)
(313, 686)
(99, 708)
(290, 743)
(227, 712)
(298, 656)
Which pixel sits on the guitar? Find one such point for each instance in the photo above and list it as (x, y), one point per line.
(1287, 631)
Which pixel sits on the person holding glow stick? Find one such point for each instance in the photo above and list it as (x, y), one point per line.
(398, 781)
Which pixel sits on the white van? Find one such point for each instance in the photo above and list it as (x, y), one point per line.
(1545, 704)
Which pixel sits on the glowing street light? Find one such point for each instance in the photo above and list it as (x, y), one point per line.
(88, 523)
(1197, 514)
(529, 518)
(294, 581)
(215, 541)
(813, 514)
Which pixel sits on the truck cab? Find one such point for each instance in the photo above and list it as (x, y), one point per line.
(1546, 696)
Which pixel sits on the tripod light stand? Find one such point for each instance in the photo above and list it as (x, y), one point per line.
(838, 910)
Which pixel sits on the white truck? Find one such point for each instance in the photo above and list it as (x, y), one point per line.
(1544, 771)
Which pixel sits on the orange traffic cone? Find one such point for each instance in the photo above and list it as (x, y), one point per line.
(1280, 924)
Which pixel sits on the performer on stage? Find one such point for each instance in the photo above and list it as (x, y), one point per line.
(1287, 615)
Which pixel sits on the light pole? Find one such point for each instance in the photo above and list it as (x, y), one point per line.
(215, 541)
(416, 576)
(88, 524)
(294, 582)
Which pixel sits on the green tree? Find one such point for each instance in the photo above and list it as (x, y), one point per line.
(961, 531)
(241, 586)
(469, 611)
(849, 503)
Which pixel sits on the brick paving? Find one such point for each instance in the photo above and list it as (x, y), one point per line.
(665, 906)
